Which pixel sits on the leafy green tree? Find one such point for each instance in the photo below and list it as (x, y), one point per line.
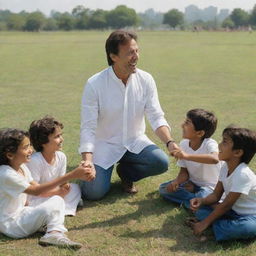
(15, 22)
(66, 21)
(239, 17)
(121, 17)
(228, 23)
(81, 15)
(34, 21)
(98, 19)
(173, 18)
(50, 25)
(253, 16)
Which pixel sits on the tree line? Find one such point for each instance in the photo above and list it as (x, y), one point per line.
(83, 18)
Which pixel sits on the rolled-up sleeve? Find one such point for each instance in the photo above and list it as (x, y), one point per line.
(89, 117)
(153, 110)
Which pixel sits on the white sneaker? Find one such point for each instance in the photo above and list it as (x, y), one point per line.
(59, 240)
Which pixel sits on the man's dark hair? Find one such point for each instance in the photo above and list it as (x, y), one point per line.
(10, 139)
(244, 139)
(40, 130)
(203, 120)
(116, 38)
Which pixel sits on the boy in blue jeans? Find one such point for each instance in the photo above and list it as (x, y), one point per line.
(198, 160)
(235, 217)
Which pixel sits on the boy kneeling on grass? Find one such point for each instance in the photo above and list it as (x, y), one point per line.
(235, 217)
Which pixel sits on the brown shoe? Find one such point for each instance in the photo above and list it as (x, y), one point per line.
(126, 184)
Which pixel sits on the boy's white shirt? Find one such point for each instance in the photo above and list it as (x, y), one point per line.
(43, 172)
(241, 180)
(203, 175)
(12, 198)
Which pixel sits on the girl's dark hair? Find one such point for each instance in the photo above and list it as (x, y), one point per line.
(116, 38)
(244, 139)
(40, 130)
(10, 139)
(203, 120)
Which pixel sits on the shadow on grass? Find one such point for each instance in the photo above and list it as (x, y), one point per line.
(144, 210)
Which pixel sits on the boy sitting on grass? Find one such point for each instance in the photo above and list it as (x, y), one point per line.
(49, 162)
(235, 217)
(198, 160)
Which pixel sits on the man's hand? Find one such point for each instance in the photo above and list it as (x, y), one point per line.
(195, 203)
(172, 147)
(173, 186)
(92, 173)
(179, 154)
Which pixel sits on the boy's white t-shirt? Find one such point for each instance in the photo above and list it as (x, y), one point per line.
(43, 172)
(203, 175)
(241, 180)
(12, 198)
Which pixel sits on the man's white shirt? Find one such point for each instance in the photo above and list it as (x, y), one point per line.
(112, 115)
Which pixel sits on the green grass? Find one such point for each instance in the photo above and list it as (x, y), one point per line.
(44, 73)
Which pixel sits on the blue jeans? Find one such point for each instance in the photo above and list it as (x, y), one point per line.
(182, 195)
(150, 161)
(231, 225)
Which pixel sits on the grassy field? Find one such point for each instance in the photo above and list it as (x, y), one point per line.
(44, 73)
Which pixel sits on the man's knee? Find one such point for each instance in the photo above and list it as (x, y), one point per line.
(93, 193)
(161, 162)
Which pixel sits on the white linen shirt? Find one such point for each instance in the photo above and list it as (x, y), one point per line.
(112, 115)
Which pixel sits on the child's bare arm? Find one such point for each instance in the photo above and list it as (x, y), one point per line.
(213, 198)
(79, 173)
(200, 158)
(218, 211)
(182, 177)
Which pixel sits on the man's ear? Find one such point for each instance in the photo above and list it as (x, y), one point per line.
(113, 57)
(9, 155)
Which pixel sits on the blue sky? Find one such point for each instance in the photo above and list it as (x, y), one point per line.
(139, 5)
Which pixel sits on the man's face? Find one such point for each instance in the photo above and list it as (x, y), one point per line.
(126, 60)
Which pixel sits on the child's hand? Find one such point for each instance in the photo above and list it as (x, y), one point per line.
(199, 227)
(64, 189)
(173, 186)
(195, 203)
(92, 174)
(65, 186)
(84, 173)
(179, 154)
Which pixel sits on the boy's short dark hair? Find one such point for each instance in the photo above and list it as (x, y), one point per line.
(40, 130)
(244, 139)
(203, 120)
(10, 139)
(116, 38)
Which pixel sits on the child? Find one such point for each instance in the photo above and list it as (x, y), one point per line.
(198, 160)
(16, 219)
(235, 217)
(49, 162)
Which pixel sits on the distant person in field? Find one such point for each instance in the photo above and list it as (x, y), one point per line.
(114, 104)
(197, 159)
(235, 216)
(17, 219)
(49, 162)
